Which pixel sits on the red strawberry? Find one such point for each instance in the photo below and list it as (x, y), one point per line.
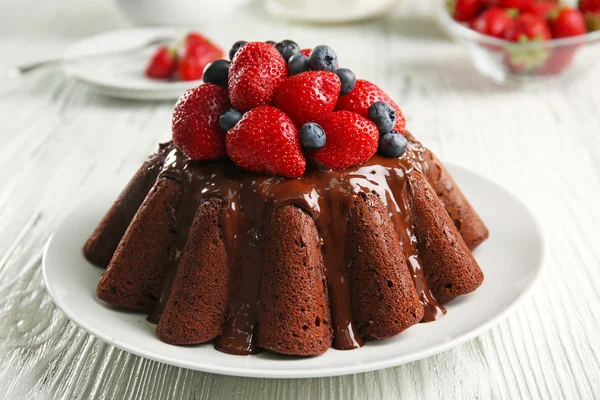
(465, 10)
(592, 6)
(351, 140)
(163, 63)
(255, 72)
(520, 5)
(266, 141)
(540, 9)
(307, 96)
(196, 128)
(591, 12)
(364, 94)
(196, 42)
(560, 59)
(197, 53)
(568, 22)
(306, 52)
(492, 22)
(527, 27)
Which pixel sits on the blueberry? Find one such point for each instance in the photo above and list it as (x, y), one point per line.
(287, 48)
(323, 58)
(312, 136)
(271, 42)
(348, 80)
(383, 115)
(392, 144)
(229, 118)
(236, 46)
(298, 64)
(217, 72)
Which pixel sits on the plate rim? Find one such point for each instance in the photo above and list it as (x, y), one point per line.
(323, 371)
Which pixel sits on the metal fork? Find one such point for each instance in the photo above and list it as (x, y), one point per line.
(24, 69)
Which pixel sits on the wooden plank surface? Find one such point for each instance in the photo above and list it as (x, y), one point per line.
(60, 140)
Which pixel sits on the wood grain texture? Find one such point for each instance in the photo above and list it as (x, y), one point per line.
(59, 142)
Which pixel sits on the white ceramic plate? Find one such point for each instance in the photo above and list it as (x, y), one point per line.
(511, 259)
(123, 76)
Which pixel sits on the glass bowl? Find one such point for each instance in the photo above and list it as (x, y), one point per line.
(516, 64)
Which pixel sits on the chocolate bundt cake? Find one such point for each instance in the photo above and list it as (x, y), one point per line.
(292, 266)
(256, 229)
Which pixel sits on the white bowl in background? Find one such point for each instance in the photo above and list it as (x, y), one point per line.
(176, 12)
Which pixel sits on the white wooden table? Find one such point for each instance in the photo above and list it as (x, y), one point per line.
(60, 140)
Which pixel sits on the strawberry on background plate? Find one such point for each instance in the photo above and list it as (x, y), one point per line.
(265, 140)
(493, 21)
(194, 41)
(363, 96)
(569, 22)
(464, 10)
(254, 74)
(195, 123)
(163, 63)
(351, 140)
(307, 96)
(196, 54)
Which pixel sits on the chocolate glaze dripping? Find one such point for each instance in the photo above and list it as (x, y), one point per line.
(327, 196)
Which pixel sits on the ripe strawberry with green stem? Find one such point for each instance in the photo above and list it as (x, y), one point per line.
(255, 72)
(351, 140)
(541, 9)
(196, 54)
(307, 96)
(464, 10)
(567, 22)
(163, 63)
(265, 140)
(528, 27)
(493, 21)
(591, 13)
(363, 96)
(195, 123)
(519, 5)
(564, 22)
(529, 31)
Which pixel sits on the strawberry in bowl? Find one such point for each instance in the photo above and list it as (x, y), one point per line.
(522, 41)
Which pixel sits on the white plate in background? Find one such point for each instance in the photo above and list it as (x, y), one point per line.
(511, 260)
(123, 76)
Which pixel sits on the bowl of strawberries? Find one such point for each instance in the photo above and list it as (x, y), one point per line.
(516, 42)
